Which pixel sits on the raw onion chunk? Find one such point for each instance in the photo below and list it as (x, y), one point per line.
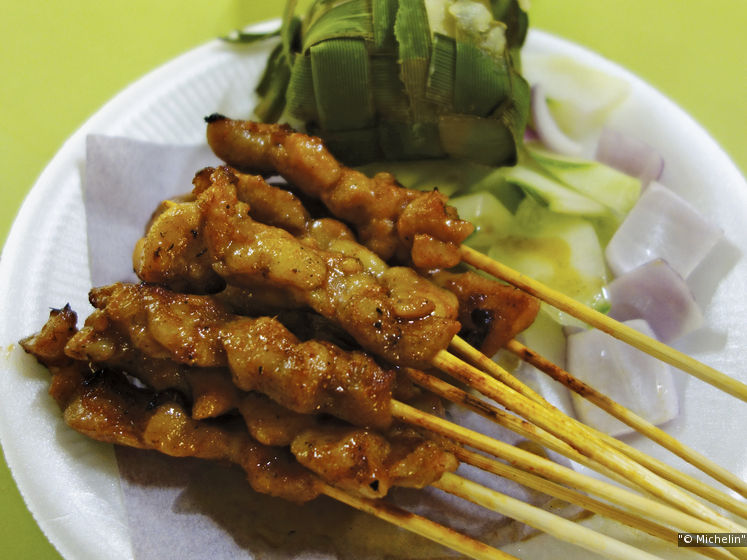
(629, 155)
(656, 293)
(632, 378)
(662, 225)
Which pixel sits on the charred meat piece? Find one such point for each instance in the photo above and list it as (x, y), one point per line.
(108, 346)
(491, 313)
(368, 463)
(101, 342)
(48, 345)
(307, 377)
(270, 205)
(213, 392)
(163, 324)
(174, 254)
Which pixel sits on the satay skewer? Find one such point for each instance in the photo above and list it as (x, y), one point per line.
(550, 470)
(287, 151)
(524, 474)
(606, 324)
(560, 528)
(631, 419)
(100, 406)
(579, 436)
(656, 434)
(530, 480)
(277, 413)
(615, 513)
(627, 467)
(545, 439)
(225, 214)
(178, 344)
(419, 525)
(396, 221)
(163, 312)
(509, 421)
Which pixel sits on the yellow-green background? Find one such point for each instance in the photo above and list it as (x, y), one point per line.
(60, 61)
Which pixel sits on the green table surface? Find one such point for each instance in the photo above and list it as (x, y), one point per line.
(61, 61)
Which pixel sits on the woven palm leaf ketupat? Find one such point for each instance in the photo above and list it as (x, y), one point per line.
(402, 80)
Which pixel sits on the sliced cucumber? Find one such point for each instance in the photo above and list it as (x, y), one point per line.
(612, 188)
(561, 251)
(552, 193)
(492, 220)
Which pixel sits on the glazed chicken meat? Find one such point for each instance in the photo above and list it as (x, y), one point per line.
(489, 313)
(276, 337)
(260, 353)
(392, 221)
(284, 453)
(392, 312)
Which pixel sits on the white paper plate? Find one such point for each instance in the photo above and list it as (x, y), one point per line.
(70, 483)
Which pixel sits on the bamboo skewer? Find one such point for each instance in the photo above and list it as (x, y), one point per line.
(528, 431)
(631, 419)
(526, 478)
(545, 439)
(685, 481)
(582, 439)
(552, 471)
(606, 324)
(480, 360)
(517, 425)
(558, 527)
(419, 525)
(590, 504)
(545, 468)
(542, 484)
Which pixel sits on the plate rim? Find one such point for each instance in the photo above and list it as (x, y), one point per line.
(69, 154)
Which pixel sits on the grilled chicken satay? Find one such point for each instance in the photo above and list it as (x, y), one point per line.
(106, 342)
(355, 459)
(210, 389)
(177, 257)
(420, 227)
(101, 404)
(396, 315)
(262, 355)
(395, 222)
(491, 313)
(275, 206)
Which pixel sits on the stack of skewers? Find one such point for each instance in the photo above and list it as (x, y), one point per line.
(234, 275)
